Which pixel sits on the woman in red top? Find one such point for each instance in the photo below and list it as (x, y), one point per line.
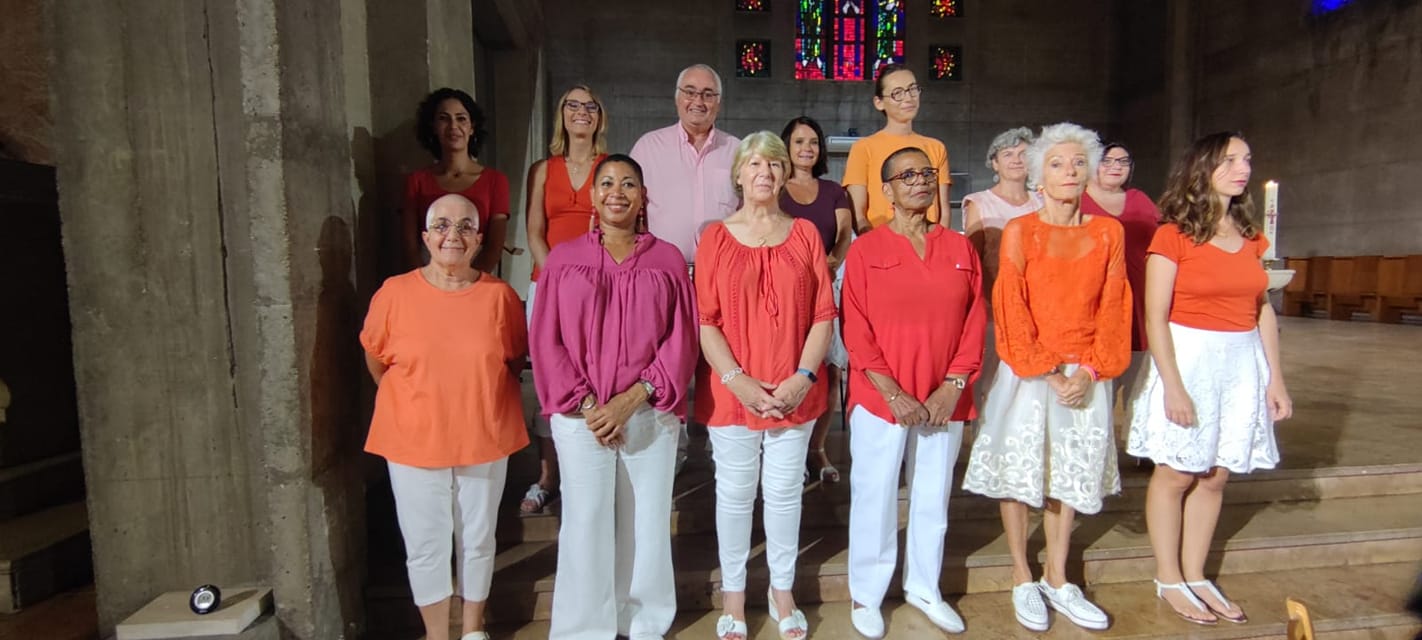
(1209, 403)
(560, 209)
(1109, 193)
(451, 127)
(914, 320)
(766, 306)
(1063, 311)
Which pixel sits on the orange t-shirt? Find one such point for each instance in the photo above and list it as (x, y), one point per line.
(449, 396)
(764, 299)
(567, 210)
(1215, 290)
(1062, 296)
(866, 160)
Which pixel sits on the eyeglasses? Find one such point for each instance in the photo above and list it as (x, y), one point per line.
(901, 93)
(911, 177)
(589, 106)
(706, 95)
(1120, 162)
(443, 227)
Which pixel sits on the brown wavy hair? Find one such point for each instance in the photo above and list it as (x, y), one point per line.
(1190, 200)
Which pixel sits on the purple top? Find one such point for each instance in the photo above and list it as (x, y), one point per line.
(831, 196)
(600, 327)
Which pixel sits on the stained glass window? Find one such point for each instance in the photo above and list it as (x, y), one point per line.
(945, 8)
(947, 62)
(1321, 7)
(752, 58)
(755, 6)
(847, 39)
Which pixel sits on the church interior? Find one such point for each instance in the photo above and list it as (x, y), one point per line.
(199, 198)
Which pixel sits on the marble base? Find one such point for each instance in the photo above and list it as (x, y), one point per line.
(168, 617)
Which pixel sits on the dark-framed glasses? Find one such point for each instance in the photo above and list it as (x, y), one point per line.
(902, 93)
(443, 226)
(574, 105)
(706, 95)
(922, 176)
(1120, 162)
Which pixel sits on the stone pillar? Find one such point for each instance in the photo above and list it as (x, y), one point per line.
(205, 179)
(1181, 76)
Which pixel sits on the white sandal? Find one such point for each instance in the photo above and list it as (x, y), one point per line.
(1214, 591)
(726, 626)
(1182, 587)
(795, 621)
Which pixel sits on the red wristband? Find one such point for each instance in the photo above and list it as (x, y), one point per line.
(1092, 372)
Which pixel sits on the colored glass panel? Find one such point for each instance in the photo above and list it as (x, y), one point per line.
(752, 58)
(848, 37)
(809, 41)
(945, 8)
(888, 33)
(947, 62)
(753, 5)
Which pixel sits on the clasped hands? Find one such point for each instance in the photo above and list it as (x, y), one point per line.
(1071, 391)
(608, 421)
(936, 411)
(767, 400)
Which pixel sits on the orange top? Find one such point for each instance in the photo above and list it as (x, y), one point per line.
(568, 211)
(764, 299)
(866, 159)
(1215, 290)
(1062, 296)
(450, 396)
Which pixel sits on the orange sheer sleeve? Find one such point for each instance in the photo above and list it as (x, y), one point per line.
(1017, 342)
(1111, 348)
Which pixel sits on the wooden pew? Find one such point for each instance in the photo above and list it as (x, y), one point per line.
(1296, 298)
(1399, 287)
(1320, 269)
(1353, 286)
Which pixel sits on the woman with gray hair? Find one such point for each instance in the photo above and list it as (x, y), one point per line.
(986, 212)
(1063, 310)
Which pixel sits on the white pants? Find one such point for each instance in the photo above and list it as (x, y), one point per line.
(614, 547)
(737, 451)
(443, 510)
(878, 449)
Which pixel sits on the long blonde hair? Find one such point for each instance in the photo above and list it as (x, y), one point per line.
(559, 144)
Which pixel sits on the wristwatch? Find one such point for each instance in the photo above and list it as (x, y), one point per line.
(588, 403)
(808, 374)
(650, 388)
(958, 383)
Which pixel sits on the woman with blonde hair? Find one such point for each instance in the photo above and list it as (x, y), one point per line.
(560, 208)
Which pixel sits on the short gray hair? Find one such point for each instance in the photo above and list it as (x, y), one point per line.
(1061, 133)
(463, 204)
(1007, 140)
(703, 67)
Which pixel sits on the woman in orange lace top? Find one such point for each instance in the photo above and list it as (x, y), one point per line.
(1062, 305)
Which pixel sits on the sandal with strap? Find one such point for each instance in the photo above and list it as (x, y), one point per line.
(534, 500)
(827, 473)
(475, 635)
(1162, 587)
(726, 626)
(1214, 591)
(794, 622)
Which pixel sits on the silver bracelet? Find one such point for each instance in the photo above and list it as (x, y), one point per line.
(728, 376)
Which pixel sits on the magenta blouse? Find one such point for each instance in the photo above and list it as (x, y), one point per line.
(600, 327)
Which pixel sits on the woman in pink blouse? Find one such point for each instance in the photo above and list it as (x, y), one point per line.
(614, 344)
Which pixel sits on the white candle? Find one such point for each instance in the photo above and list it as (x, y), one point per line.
(1271, 218)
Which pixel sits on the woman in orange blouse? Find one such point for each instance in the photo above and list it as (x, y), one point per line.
(1062, 305)
(448, 411)
(1210, 400)
(766, 305)
(559, 209)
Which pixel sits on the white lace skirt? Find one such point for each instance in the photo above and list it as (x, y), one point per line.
(1225, 374)
(1029, 448)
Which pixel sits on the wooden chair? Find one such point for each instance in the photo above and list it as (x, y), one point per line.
(1296, 292)
(1353, 286)
(1320, 269)
(1300, 626)
(1399, 287)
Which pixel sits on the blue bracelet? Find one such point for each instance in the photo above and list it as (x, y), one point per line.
(808, 374)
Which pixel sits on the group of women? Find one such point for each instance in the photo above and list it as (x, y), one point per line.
(1064, 281)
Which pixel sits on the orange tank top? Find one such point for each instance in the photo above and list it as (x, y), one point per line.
(568, 210)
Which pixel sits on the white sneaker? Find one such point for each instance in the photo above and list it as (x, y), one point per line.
(1072, 603)
(1031, 610)
(940, 613)
(867, 621)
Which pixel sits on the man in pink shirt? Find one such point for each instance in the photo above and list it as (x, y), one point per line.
(688, 164)
(687, 170)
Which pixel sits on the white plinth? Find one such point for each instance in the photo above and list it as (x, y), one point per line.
(168, 616)
(1279, 278)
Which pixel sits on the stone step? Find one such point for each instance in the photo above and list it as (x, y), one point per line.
(1108, 548)
(1344, 602)
(44, 553)
(38, 485)
(827, 505)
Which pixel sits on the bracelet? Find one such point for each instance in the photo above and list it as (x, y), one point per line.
(895, 396)
(1092, 372)
(650, 388)
(728, 376)
(808, 374)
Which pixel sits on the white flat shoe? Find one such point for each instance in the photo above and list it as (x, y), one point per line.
(867, 621)
(1027, 603)
(475, 635)
(1069, 601)
(940, 613)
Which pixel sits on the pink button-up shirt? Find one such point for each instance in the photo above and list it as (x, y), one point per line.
(600, 327)
(686, 188)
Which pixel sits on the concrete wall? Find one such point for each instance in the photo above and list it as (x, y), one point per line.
(1331, 109)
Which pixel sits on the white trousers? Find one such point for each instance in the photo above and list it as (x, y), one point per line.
(453, 509)
(777, 456)
(878, 449)
(614, 547)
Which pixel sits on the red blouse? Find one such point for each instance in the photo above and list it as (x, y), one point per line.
(1139, 219)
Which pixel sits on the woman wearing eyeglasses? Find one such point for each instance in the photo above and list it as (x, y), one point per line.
(559, 209)
(1063, 312)
(896, 93)
(450, 126)
(445, 344)
(1108, 193)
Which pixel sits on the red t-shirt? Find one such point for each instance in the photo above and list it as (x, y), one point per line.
(1214, 289)
(490, 193)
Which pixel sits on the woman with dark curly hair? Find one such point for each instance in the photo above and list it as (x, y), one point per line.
(1209, 403)
(450, 126)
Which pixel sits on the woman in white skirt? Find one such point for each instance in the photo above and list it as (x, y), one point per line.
(1215, 389)
(1062, 307)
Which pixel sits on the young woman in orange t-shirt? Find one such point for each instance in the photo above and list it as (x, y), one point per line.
(1215, 389)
